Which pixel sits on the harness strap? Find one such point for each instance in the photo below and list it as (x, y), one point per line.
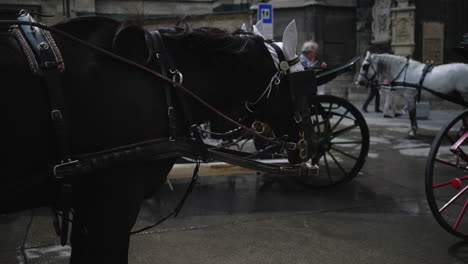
(281, 58)
(426, 70)
(27, 51)
(154, 149)
(179, 206)
(41, 43)
(161, 54)
(50, 66)
(168, 63)
(404, 68)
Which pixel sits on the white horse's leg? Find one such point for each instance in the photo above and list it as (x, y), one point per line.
(388, 106)
(412, 115)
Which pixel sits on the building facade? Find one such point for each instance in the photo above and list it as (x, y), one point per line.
(427, 30)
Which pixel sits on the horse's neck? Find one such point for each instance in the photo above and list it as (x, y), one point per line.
(396, 68)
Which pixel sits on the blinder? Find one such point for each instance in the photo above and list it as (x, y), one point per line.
(302, 87)
(365, 67)
(365, 70)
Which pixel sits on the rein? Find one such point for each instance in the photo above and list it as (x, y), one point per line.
(285, 144)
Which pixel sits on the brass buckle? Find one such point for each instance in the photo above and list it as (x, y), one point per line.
(260, 124)
(63, 164)
(302, 146)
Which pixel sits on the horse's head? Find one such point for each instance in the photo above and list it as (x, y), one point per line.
(369, 70)
(284, 103)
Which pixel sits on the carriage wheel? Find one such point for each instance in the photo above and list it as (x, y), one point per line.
(447, 176)
(342, 141)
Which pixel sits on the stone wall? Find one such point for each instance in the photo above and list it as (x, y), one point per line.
(358, 93)
(331, 24)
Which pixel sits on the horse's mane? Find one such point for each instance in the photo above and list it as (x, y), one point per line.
(392, 63)
(212, 40)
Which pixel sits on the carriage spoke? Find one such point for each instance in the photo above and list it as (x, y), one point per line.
(453, 199)
(451, 164)
(465, 124)
(460, 216)
(328, 117)
(449, 182)
(318, 124)
(327, 167)
(339, 120)
(450, 139)
(455, 148)
(344, 130)
(462, 154)
(337, 163)
(344, 153)
(346, 142)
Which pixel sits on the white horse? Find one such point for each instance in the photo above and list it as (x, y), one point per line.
(407, 76)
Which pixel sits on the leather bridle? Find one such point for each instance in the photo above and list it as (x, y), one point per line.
(368, 63)
(297, 89)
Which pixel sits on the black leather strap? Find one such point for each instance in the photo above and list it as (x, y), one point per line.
(41, 43)
(165, 64)
(426, 70)
(51, 66)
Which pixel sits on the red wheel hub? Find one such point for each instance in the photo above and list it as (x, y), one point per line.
(456, 183)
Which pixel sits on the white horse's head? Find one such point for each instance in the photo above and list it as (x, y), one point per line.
(369, 70)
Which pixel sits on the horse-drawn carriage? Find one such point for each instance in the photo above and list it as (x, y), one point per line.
(341, 136)
(447, 162)
(99, 110)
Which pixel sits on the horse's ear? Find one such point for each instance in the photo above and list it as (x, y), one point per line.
(129, 42)
(290, 40)
(258, 29)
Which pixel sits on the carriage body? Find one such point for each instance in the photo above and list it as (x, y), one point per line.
(340, 139)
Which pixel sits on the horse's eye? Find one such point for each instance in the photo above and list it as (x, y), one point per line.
(365, 67)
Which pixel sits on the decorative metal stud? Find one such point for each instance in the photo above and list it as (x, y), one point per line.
(284, 66)
(43, 46)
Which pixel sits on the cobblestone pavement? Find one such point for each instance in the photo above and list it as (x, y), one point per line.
(380, 217)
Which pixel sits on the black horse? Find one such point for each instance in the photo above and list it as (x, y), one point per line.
(109, 104)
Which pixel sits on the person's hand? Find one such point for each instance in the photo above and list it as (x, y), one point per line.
(324, 64)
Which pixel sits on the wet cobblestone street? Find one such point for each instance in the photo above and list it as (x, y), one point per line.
(381, 216)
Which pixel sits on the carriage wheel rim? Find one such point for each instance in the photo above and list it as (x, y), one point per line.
(440, 209)
(338, 120)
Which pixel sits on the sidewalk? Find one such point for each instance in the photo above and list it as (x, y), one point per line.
(436, 121)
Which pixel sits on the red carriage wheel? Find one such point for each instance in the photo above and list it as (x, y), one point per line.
(447, 176)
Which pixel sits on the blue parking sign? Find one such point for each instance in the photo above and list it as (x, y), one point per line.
(265, 13)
